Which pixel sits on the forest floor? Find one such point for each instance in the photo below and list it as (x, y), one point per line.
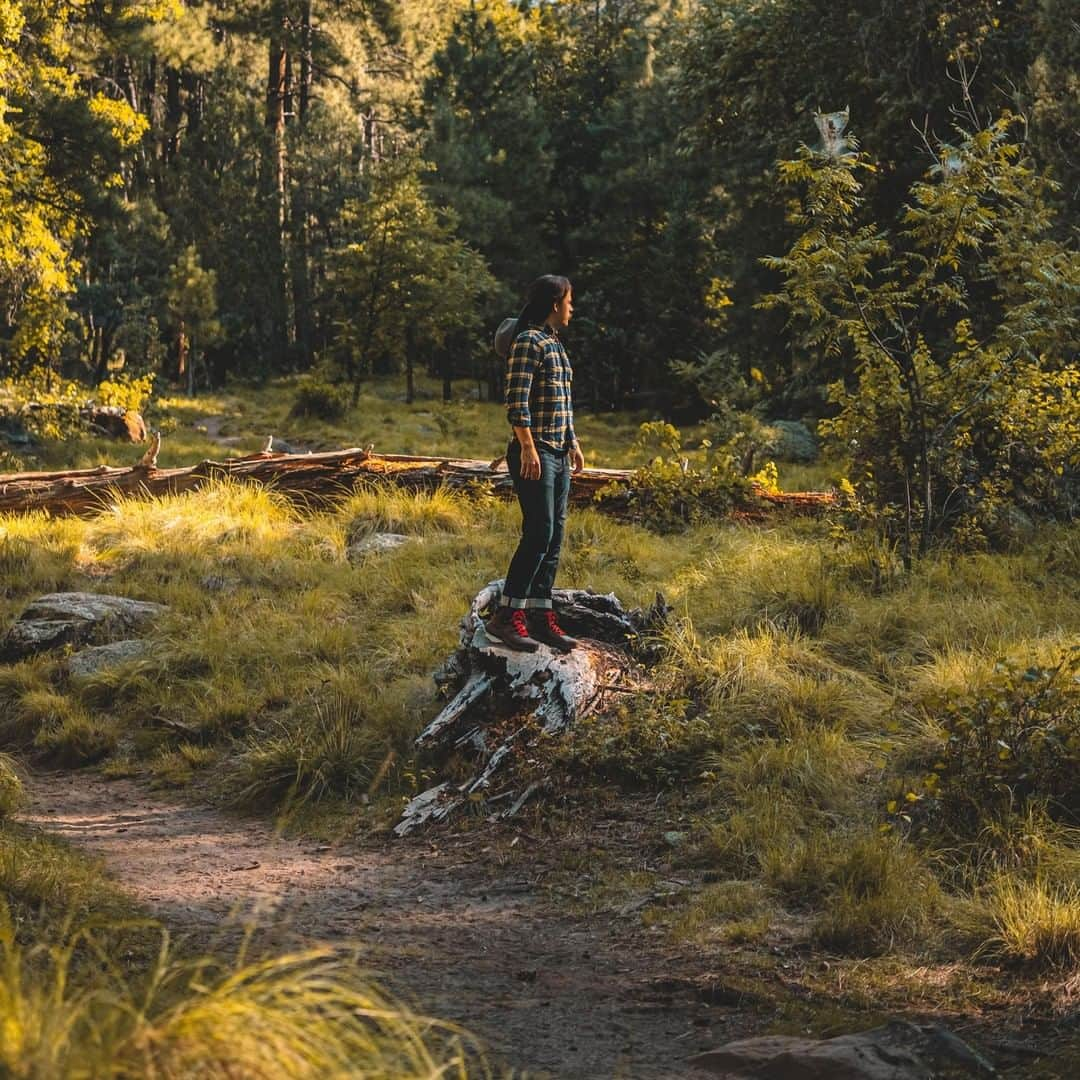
(722, 857)
(463, 925)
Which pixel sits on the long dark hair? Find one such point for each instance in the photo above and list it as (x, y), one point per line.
(544, 293)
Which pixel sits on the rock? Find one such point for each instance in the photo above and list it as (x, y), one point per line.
(789, 440)
(1011, 529)
(99, 657)
(374, 544)
(217, 583)
(896, 1051)
(74, 619)
(116, 422)
(112, 420)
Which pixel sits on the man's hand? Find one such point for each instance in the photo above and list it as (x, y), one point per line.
(577, 458)
(530, 463)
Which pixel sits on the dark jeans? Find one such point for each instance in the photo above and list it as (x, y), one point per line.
(543, 516)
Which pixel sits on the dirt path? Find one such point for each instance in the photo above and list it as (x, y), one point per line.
(466, 930)
(212, 427)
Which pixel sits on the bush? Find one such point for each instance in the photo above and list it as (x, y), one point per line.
(1012, 744)
(957, 324)
(320, 400)
(668, 495)
(789, 440)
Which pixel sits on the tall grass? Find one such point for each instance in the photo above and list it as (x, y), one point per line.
(791, 696)
(309, 1014)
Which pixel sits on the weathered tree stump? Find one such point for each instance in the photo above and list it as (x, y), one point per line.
(505, 701)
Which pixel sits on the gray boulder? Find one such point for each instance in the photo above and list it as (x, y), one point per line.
(375, 544)
(100, 657)
(896, 1051)
(789, 440)
(59, 619)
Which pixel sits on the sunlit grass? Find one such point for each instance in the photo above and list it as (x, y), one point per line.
(312, 1014)
(1027, 921)
(292, 668)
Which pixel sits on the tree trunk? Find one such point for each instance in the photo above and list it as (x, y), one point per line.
(509, 704)
(192, 356)
(276, 96)
(182, 358)
(301, 241)
(174, 114)
(410, 349)
(320, 478)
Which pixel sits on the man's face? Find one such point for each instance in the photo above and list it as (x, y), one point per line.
(564, 309)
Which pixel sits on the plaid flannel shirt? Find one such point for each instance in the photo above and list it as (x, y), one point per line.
(538, 381)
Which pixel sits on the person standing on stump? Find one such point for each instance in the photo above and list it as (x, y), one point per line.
(542, 453)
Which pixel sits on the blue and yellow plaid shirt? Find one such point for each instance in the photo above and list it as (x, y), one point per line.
(538, 381)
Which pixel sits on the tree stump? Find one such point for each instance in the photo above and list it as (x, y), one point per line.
(505, 701)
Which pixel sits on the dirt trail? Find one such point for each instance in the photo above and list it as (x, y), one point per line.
(466, 930)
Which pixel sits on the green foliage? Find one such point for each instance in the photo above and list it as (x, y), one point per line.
(320, 399)
(653, 742)
(406, 283)
(957, 324)
(668, 494)
(126, 391)
(748, 74)
(1012, 744)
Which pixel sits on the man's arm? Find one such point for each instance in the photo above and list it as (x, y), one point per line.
(521, 367)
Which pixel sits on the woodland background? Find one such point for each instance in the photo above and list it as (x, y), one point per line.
(213, 190)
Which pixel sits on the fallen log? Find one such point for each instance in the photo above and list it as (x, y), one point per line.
(506, 701)
(311, 478)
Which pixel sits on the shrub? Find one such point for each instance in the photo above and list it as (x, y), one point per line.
(1011, 744)
(126, 392)
(668, 495)
(789, 440)
(958, 325)
(320, 400)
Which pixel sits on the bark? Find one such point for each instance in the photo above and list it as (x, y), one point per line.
(174, 114)
(301, 254)
(509, 704)
(277, 93)
(311, 479)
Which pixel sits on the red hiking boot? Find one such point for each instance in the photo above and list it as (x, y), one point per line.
(544, 627)
(509, 626)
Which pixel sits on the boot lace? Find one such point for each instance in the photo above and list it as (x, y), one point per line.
(553, 623)
(517, 621)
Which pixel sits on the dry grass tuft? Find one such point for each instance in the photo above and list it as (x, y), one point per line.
(310, 1014)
